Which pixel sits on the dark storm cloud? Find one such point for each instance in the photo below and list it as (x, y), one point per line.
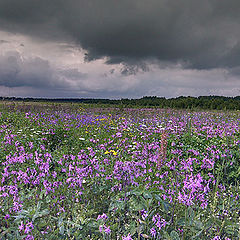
(197, 34)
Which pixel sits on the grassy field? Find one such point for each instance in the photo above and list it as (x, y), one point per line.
(70, 171)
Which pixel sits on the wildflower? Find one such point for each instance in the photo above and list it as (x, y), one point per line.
(180, 230)
(103, 216)
(113, 152)
(153, 232)
(107, 230)
(30, 145)
(42, 147)
(128, 237)
(29, 237)
(144, 214)
(28, 228)
(21, 227)
(216, 238)
(118, 134)
(159, 221)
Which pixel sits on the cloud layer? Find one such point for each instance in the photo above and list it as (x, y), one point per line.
(200, 34)
(126, 45)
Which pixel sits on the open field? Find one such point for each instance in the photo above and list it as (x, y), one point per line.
(71, 172)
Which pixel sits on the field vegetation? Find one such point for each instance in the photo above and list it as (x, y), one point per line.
(69, 171)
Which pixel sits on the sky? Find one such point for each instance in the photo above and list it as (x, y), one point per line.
(119, 49)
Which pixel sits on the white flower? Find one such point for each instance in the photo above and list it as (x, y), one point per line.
(82, 139)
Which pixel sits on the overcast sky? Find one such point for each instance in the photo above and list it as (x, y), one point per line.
(119, 49)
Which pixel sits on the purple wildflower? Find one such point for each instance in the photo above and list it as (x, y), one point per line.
(153, 232)
(21, 227)
(128, 237)
(107, 230)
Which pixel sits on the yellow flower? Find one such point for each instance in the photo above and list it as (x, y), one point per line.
(113, 152)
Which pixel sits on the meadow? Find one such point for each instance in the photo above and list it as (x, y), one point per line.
(69, 171)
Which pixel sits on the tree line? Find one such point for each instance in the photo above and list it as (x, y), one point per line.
(201, 102)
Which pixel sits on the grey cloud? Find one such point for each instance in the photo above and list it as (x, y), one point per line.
(199, 34)
(235, 71)
(159, 82)
(15, 71)
(73, 74)
(3, 41)
(112, 71)
(133, 69)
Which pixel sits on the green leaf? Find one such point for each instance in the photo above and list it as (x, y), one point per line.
(138, 207)
(60, 221)
(61, 230)
(136, 192)
(92, 224)
(42, 224)
(181, 222)
(166, 235)
(36, 215)
(197, 235)
(198, 224)
(147, 195)
(174, 235)
(166, 206)
(191, 215)
(157, 197)
(120, 205)
(132, 228)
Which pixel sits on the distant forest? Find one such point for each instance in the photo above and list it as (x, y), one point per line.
(202, 102)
